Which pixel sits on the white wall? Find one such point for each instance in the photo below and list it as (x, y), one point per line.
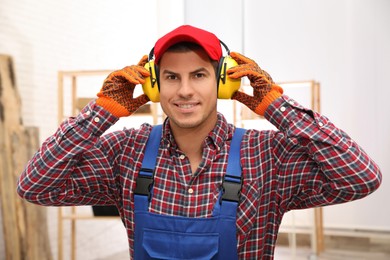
(344, 44)
(46, 36)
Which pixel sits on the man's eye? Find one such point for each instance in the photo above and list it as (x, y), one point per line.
(171, 77)
(199, 75)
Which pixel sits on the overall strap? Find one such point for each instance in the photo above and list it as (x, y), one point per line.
(233, 170)
(232, 184)
(145, 176)
(151, 150)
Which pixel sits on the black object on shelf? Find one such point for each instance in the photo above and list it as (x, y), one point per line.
(105, 211)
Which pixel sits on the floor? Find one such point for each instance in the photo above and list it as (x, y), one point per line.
(284, 253)
(330, 254)
(336, 248)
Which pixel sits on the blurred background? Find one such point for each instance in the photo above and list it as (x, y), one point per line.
(342, 44)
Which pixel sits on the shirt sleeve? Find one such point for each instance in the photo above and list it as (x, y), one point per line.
(73, 166)
(317, 163)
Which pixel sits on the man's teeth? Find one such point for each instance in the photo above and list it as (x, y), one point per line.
(186, 106)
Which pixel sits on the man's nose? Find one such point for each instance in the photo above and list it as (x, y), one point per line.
(185, 88)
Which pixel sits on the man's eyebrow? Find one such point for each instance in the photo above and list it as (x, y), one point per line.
(201, 69)
(168, 72)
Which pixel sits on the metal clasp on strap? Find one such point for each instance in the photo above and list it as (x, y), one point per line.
(231, 188)
(144, 183)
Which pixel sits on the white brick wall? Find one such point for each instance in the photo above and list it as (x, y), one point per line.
(46, 36)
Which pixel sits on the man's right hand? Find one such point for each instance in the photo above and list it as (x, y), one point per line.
(116, 95)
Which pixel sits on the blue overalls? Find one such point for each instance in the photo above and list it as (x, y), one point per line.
(175, 237)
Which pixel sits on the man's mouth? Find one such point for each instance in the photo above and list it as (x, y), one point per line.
(186, 106)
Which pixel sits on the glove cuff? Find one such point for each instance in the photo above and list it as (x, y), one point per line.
(276, 92)
(112, 106)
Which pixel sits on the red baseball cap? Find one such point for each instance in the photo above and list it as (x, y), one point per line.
(187, 33)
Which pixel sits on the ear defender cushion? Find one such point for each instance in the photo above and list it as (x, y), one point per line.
(151, 87)
(226, 85)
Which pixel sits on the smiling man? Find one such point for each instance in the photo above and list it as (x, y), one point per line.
(178, 187)
(188, 93)
(188, 97)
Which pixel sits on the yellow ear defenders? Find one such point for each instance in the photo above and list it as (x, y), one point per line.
(225, 85)
(151, 87)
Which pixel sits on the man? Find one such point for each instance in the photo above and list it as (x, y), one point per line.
(307, 163)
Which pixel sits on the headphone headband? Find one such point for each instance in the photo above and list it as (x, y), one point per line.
(225, 46)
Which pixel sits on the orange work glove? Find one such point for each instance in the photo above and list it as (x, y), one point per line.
(265, 91)
(116, 95)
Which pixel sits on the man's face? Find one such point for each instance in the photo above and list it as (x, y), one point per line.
(188, 89)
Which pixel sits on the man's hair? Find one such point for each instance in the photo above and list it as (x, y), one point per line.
(190, 46)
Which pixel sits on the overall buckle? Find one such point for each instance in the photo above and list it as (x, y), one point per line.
(231, 188)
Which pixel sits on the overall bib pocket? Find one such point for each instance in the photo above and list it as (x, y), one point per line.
(161, 244)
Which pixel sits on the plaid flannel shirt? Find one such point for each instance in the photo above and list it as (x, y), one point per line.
(307, 163)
